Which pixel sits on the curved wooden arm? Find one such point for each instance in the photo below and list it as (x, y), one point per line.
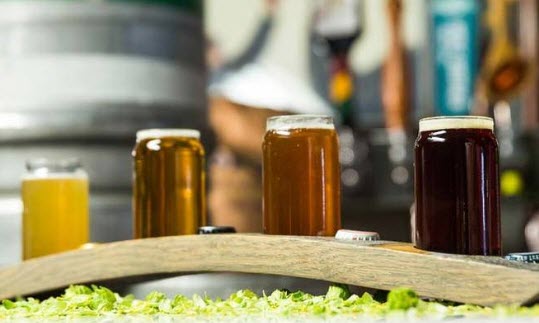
(381, 265)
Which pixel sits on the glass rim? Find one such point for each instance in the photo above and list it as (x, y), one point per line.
(157, 133)
(300, 121)
(51, 165)
(40, 162)
(455, 122)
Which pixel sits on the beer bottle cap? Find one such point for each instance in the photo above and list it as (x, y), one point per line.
(213, 230)
(357, 235)
(529, 257)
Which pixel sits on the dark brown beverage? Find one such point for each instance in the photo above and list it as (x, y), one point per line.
(301, 176)
(457, 197)
(169, 183)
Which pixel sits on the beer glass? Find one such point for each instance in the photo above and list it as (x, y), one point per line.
(457, 195)
(55, 207)
(301, 176)
(169, 183)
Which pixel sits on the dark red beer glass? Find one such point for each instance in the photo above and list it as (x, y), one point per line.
(457, 197)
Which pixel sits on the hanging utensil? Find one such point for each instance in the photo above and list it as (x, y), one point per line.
(505, 71)
(394, 73)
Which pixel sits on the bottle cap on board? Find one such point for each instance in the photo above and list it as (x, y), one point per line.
(529, 257)
(344, 234)
(214, 230)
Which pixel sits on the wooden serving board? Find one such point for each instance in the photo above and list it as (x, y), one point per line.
(381, 265)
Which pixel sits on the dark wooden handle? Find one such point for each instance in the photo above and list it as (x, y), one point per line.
(529, 47)
(394, 73)
(381, 265)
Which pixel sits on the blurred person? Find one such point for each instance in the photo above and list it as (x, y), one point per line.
(233, 168)
(219, 67)
(243, 94)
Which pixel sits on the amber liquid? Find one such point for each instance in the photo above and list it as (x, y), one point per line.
(457, 192)
(55, 214)
(169, 187)
(301, 175)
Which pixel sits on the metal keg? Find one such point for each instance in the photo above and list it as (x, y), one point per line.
(78, 79)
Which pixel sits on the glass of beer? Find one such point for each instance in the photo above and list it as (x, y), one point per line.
(169, 183)
(457, 196)
(55, 207)
(301, 176)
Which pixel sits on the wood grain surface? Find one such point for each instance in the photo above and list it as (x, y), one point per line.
(381, 265)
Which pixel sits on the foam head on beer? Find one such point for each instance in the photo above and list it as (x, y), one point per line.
(302, 121)
(464, 122)
(161, 133)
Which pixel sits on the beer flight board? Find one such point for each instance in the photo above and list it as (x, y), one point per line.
(374, 264)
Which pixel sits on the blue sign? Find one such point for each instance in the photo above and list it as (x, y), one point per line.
(455, 48)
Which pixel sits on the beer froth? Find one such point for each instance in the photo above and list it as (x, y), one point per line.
(162, 133)
(460, 122)
(302, 121)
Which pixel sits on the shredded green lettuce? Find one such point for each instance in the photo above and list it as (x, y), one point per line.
(94, 301)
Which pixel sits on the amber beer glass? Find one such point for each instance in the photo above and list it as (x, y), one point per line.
(457, 195)
(301, 176)
(169, 183)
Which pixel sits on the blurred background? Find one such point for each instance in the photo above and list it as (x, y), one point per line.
(79, 78)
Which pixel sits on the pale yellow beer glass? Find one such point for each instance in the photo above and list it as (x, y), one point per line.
(55, 207)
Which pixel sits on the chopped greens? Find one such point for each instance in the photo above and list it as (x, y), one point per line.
(83, 301)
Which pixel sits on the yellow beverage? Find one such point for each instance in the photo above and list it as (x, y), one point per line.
(55, 216)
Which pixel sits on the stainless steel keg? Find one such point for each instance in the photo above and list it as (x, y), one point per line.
(78, 79)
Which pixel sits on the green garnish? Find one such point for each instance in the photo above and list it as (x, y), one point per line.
(83, 301)
(402, 299)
